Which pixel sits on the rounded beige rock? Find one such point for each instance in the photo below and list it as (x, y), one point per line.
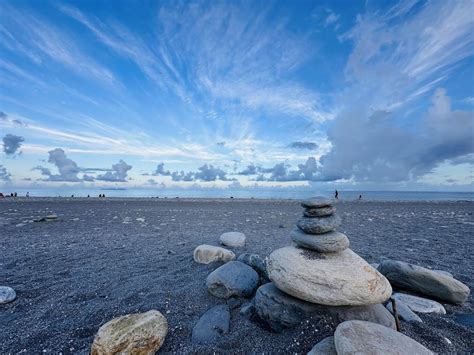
(138, 334)
(205, 254)
(335, 279)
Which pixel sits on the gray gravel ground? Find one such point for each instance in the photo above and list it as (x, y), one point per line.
(105, 258)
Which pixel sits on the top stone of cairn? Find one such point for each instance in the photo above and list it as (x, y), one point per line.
(316, 202)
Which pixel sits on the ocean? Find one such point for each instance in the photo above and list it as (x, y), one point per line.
(260, 193)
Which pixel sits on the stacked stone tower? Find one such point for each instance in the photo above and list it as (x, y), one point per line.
(320, 268)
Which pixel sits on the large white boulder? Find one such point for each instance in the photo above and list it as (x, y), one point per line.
(206, 254)
(335, 279)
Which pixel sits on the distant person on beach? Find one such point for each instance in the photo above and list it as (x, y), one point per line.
(27, 194)
(360, 197)
(336, 195)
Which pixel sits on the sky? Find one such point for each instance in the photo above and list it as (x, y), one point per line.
(233, 94)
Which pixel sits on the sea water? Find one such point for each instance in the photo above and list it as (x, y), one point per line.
(267, 193)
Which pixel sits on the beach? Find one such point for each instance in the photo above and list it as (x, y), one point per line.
(103, 258)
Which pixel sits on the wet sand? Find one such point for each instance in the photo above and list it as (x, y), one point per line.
(105, 258)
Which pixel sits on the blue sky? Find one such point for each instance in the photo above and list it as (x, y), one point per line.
(369, 94)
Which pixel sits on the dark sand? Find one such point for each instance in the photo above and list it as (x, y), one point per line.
(100, 261)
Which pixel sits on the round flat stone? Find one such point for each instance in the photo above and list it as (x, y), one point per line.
(324, 243)
(7, 294)
(233, 239)
(419, 304)
(360, 337)
(333, 279)
(319, 212)
(319, 225)
(316, 202)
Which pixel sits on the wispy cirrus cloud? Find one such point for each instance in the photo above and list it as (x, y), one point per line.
(216, 53)
(24, 29)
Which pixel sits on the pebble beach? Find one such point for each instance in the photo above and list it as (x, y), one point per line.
(104, 258)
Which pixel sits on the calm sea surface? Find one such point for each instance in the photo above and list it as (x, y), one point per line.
(255, 193)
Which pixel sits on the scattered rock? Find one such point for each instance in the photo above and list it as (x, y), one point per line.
(257, 263)
(324, 347)
(232, 279)
(360, 337)
(404, 312)
(419, 304)
(319, 225)
(7, 294)
(211, 325)
(139, 333)
(424, 281)
(233, 239)
(280, 311)
(334, 279)
(316, 202)
(319, 212)
(324, 243)
(206, 254)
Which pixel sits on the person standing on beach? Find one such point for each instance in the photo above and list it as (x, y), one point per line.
(360, 197)
(336, 195)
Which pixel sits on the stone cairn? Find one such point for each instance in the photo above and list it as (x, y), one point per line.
(320, 268)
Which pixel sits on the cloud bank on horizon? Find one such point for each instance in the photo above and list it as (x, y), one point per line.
(237, 94)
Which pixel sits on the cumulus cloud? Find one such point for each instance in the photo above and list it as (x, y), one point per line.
(160, 170)
(4, 174)
(12, 144)
(118, 173)
(367, 149)
(308, 171)
(303, 145)
(204, 173)
(67, 168)
(251, 169)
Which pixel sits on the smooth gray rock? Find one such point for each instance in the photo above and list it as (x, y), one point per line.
(316, 202)
(257, 263)
(211, 325)
(424, 281)
(324, 347)
(319, 225)
(280, 310)
(324, 243)
(233, 239)
(359, 337)
(319, 212)
(333, 279)
(419, 304)
(7, 294)
(232, 279)
(404, 312)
